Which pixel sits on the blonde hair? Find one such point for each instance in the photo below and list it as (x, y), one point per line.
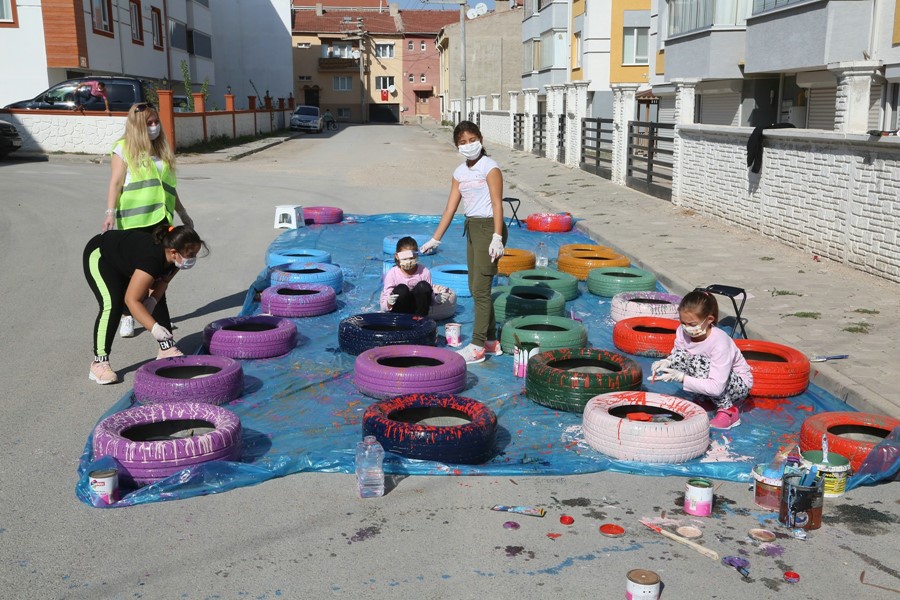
(138, 146)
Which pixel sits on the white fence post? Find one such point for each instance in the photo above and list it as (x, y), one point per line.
(685, 107)
(623, 112)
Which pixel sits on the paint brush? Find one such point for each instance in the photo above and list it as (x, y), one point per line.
(824, 358)
(677, 538)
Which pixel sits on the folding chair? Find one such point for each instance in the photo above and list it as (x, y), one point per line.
(514, 205)
(733, 293)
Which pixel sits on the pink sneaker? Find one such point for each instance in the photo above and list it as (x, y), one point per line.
(102, 373)
(493, 347)
(172, 352)
(472, 353)
(726, 418)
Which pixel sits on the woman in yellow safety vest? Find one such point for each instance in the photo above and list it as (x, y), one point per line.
(142, 187)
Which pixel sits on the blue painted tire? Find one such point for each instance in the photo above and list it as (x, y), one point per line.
(363, 332)
(323, 273)
(250, 337)
(389, 245)
(455, 277)
(295, 255)
(298, 300)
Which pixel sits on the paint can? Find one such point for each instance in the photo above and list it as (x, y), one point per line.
(523, 351)
(834, 468)
(643, 584)
(453, 332)
(767, 490)
(801, 505)
(698, 497)
(104, 486)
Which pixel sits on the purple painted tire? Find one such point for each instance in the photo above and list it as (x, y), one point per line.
(128, 436)
(442, 309)
(396, 370)
(644, 304)
(298, 300)
(322, 215)
(250, 337)
(206, 379)
(322, 273)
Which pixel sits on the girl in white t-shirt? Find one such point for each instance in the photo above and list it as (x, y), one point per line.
(478, 183)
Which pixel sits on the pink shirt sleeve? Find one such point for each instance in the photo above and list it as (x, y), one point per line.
(396, 276)
(724, 357)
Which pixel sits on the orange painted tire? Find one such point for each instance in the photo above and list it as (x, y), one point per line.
(549, 222)
(645, 336)
(515, 259)
(579, 262)
(778, 371)
(836, 425)
(581, 249)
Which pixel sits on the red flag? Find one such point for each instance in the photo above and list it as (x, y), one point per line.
(384, 95)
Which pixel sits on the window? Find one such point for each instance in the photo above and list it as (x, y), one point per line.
(383, 82)
(101, 15)
(177, 35)
(423, 47)
(343, 113)
(337, 50)
(156, 24)
(528, 54)
(8, 17)
(199, 44)
(422, 78)
(203, 2)
(412, 78)
(763, 5)
(634, 45)
(577, 50)
(342, 83)
(410, 45)
(691, 15)
(137, 24)
(545, 60)
(384, 50)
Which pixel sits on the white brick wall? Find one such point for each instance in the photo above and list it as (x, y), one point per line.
(43, 132)
(495, 127)
(831, 194)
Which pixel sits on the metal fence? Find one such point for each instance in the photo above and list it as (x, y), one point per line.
(561, 140)
(539, 147)
(651, 151)
(519, 131)
(597, 146)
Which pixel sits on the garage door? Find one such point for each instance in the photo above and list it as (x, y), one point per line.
(719, 109)
(820, 112)
(666, 110)
(384, 113)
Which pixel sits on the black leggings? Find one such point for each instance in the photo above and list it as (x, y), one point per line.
(413, 302)
(109, 288)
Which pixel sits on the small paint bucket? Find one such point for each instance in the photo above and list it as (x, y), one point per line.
(698, 497)
(641, 583)
(801, 505)
(767, 490)
(104, 486)
(453, 332)
(521, 353)
(835, 471)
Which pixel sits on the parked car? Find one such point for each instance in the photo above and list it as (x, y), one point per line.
(121, 92)
(10, 140)
(307, 118)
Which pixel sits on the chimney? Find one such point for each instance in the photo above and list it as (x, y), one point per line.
(394, 9)
(319, 10)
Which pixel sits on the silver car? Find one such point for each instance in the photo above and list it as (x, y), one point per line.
(307, 118)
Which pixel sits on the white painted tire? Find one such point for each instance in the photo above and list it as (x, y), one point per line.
(645, 441)
(644, 304)
(443, 309)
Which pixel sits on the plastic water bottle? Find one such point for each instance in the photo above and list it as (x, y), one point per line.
(370, 468)
(541, 257)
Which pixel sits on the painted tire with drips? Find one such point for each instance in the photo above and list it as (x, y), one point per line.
(298, 300)
(547, 331)
(323, 273)
(469, 443)
(565, 284)
(644, 304)
(363, 332)
(549, 222)
(199, 378)
(455, 277)
(553, 380)
(838, 424)
(608, 430)
(609, 281)
(145, 461)
(322, 215)
(297, 255)
(580, 262)
(778, 371)
(512, 301)
(515, 259)
(395, 370)
(389, 243)
(646, 336)
(441, 309)
(259, 336)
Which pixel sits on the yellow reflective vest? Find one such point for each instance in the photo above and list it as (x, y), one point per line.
(149, 196)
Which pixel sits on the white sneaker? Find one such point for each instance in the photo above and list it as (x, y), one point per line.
(472, 353)
(126, 326)
(493, 347)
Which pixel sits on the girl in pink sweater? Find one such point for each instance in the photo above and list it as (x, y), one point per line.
(407, 286)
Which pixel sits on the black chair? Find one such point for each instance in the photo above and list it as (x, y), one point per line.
(733, 293)
(514, 205)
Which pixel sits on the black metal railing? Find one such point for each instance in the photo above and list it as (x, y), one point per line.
(651, 150)
(561, 140)
(519, 131)
(597, 146)
(539, 146)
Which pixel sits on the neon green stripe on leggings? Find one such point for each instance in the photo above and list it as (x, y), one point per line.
(100, 348)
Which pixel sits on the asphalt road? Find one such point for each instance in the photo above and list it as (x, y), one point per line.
(308, 535)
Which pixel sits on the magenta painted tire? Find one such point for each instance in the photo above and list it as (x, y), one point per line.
(250, 337)
(443, 309)
(202, 378)
(131, 437)
(395, 370)
(644, 304)
(608, 430)
(322, 215)
(298, 300)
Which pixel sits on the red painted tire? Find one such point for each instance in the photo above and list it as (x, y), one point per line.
(250, 337)
(549, 222)
(644, 304)
(200, 378)
(778, 371)
(322, 215)
(128, 436)
(607, 430)
(394, 423)
(837, 425)
(396, 370)
(298, 300)
(645, 336)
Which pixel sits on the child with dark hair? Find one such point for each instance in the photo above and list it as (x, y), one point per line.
(706, 361)
(407, 286)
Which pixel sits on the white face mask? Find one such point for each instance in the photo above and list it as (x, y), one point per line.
(695, 331)
(407, 260)
(153, 131)
(186, 263)
(471, 151)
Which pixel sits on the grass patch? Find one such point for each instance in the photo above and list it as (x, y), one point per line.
(777, 292)
(223, 141)
(801, 271)
(866, 311)
(804, 315)
(861, 327)
(766, 258)
(552, 174)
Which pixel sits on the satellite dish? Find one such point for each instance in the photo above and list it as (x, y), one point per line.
(392, 88)
(481, 8)
(355, 54)
(472, 13)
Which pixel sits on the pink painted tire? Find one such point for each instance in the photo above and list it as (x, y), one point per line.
(125, 436)
(322, 215)
(644, 304)
(260, 336)
(298, 300)
(198, 378)
(443, 309)
(391, 371)
(608, 430)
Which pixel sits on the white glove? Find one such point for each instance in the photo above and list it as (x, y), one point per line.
(186, 220)
(659, 366)
(161, 333)
(445, 294)
(392, 299)
(671, 375)
(149, 303)
(429, 246)
(496, 247)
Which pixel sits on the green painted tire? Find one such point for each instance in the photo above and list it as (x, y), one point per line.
(609, 281)
(547, 331)
(567, 379)
(511, 301)
(565, 284)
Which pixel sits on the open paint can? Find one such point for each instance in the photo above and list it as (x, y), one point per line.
(835, 469)
(767, 490)
(641, 583)
(801, 505)
(698, 497)
(104, 487)
(453, 333)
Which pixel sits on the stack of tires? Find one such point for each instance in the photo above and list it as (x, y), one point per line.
(579, 259)
(515, 259)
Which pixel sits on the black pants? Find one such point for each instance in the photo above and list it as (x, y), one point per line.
(413, 302)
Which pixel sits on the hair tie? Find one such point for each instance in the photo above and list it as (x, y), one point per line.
(171, 227)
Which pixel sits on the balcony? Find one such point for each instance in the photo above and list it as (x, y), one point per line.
(338, 64)
(706, 38)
